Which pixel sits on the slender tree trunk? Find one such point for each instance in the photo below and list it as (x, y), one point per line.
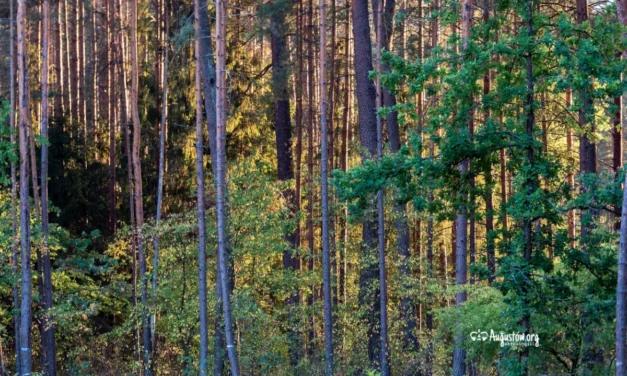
(384, 348)
(14, 240)
(200, 205)
(295, 353)
(621, 288)
(310, 166)
(221, 17)
(47, 325)
(138, 195)
(570, 178)
(344, 155)
(111, 92)
(621, 292)
(209, 89)
(430, 227)
(324, 171)
(531, 183)
(161, 168)
(58, 51)
(26, 361)
(461, 244)
(73, 50)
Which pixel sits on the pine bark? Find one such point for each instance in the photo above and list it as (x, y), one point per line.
(324, 171)
(221, 102)
(48, 327)
(200, 204)
(26, 361)
(285, 170)
(138, 194)
(111, 118)
(621, 288)
(369, 296)
(461, 243)
(14, 240)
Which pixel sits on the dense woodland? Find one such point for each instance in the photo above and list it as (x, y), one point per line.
(289, 187)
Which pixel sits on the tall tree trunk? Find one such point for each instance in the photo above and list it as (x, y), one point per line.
(200, 204)
(310, 167)
(138, 195)
(621, 292)
(531, 183)
(47, 324)
(283, 134)
(430, 227)
(58, 53)
(161, 167)
(369, 299)
(73, 50)
(221, 181)
(111, 118)
(621, 287)
(587, 165)
(384, 348)
(324, 172)
(14, 240)
(26, 361)
(461, 244)
(209, 91)
(570, 177)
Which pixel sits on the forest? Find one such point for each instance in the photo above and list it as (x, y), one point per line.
(290, 187)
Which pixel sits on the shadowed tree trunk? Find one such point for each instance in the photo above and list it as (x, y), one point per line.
(461, 243)
(14, 240)
(48, 327)
(200, 204)
(283, 136)
(26, 352)
(368, 299)
(621, 288)
(324, 172)
(384, 347)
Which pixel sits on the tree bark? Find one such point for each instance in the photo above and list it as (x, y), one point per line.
(369, 295)
(283, 136)
(324, 171)
(138, 194)
(14, 239)
(621, 288)
(48, 327)
(461, 244)
(26, 361)
(221, 17)
(200, 204)
(384, 348)
(111, 118)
